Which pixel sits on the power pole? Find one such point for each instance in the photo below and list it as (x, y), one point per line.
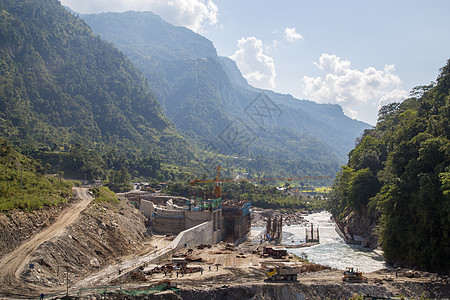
(67, 278)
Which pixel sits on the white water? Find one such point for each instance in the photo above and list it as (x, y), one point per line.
(332, 250)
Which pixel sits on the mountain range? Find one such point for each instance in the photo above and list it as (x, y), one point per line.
(150, 97)
(211, 103)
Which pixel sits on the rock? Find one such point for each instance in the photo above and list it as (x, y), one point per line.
(409, 274)
(94, 262)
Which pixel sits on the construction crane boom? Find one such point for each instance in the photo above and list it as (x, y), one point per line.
(218, 188)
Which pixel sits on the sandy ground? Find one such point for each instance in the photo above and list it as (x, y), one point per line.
(223, 265)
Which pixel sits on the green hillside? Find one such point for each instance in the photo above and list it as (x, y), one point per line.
(24, 185)
(75, 101)
(399, 174)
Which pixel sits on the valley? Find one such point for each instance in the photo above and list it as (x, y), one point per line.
(138, 163)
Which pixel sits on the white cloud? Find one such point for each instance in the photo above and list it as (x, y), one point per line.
(291, 35)
(349, 87)
(190, 13)
(272, 46)
(256, 67)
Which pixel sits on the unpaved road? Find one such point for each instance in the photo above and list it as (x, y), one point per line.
(13, 263)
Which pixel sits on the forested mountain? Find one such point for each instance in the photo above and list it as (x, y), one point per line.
(209, 100)
(399, 176)
(74, 100)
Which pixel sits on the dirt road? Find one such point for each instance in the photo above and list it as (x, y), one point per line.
(13, 263)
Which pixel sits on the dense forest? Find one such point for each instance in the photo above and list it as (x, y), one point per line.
(78, 104)
(399, 175)
(75, 101)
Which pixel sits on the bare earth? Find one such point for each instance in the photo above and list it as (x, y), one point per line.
(12, 264)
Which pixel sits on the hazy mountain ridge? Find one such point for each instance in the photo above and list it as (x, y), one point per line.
(203, 94)
(327, 122)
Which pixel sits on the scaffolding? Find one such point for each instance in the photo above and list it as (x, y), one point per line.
(274, 229)
(237, 220)
(309, 234)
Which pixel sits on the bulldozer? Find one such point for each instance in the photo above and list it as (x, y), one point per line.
(352, 275)
(276, 273)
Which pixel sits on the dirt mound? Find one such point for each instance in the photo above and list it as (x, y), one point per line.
(103, 232)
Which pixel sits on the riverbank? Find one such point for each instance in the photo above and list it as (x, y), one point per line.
(331, 251)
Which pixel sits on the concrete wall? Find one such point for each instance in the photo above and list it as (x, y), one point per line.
(193, 218)
(201, 234)
(147, 208)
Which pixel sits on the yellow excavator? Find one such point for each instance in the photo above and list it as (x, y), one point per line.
(352, 275)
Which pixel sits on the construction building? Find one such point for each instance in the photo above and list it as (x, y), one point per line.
(230, 222)
(237, 220)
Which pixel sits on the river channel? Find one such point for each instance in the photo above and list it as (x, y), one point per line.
(332, 250)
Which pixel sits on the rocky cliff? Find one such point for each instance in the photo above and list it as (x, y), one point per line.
(358, 228)
(17, 226)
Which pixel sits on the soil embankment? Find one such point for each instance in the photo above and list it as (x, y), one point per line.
(83, 238)
(17, 226)
(12, 263)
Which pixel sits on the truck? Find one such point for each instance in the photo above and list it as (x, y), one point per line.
(351, 275)
(277, 273)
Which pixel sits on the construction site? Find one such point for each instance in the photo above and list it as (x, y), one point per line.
(155, 246)
(228, 221)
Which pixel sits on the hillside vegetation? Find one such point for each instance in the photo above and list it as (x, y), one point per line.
(399, 175)
(23, 183)
(75, 101)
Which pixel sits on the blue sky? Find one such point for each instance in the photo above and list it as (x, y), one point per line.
(359, 54)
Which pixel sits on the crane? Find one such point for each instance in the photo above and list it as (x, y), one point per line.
(218, 181)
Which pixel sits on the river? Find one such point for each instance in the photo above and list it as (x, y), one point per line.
(332, 250)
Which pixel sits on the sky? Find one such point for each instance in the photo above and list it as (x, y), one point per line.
(356, 53)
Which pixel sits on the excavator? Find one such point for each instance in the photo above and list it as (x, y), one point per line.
(352, 275)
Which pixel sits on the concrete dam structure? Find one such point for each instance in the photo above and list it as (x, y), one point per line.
(229, 221)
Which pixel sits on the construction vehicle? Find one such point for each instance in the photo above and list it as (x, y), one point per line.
(351, 275)
(277, 273)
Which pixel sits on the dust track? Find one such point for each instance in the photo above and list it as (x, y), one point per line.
(13, 263)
